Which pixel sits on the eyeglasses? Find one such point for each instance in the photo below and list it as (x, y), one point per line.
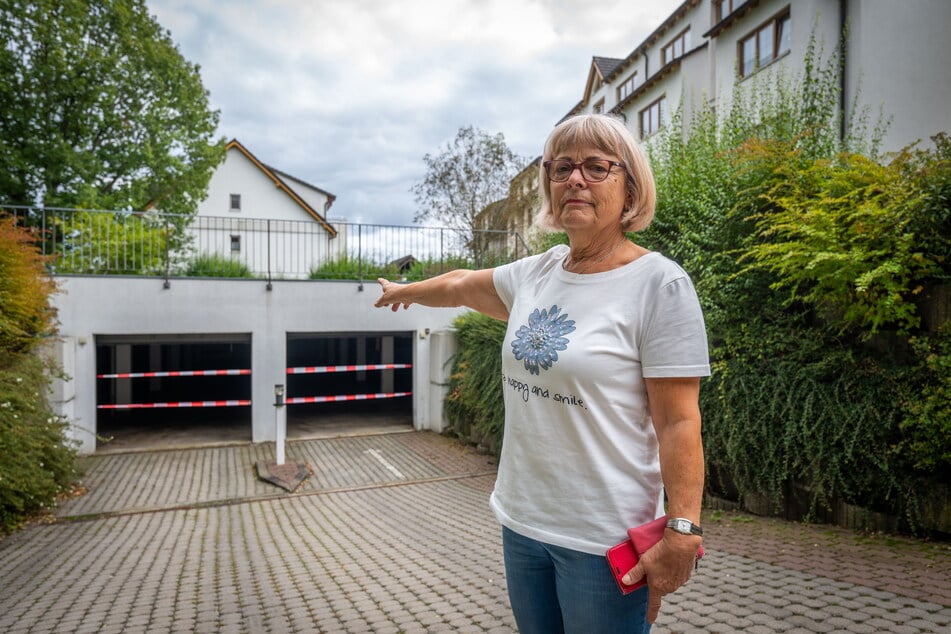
(592, 170)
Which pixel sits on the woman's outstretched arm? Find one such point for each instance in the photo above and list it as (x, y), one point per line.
(474, 289)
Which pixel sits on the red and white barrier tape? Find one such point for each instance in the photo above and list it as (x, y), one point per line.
(176, 404)
(344, 397)
(316, 369)
(150, 375)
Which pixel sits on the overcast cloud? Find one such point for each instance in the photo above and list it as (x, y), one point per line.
(349, 95)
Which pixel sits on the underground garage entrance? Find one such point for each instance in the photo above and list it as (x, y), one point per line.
(169, 391)
(193, 390)
(342, 382)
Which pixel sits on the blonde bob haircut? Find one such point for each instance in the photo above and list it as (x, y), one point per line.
(610, 136)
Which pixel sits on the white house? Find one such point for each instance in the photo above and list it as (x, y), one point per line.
(275, 223)
(896, 59)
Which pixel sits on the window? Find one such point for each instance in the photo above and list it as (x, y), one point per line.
(675, 48)
(627, 88)
(764, 45)
(652, 117)
(599, 107)
(235, 204)
(236, 244)
(722, 8)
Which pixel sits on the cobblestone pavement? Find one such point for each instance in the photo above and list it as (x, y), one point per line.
(392, 533)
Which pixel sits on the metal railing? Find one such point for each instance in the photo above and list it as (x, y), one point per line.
(99, 242)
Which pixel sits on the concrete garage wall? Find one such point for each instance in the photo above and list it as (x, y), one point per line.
(97, 305)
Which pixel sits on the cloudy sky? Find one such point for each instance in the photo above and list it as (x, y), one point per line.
(349, 95)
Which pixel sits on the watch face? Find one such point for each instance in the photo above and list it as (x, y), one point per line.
(683, 526)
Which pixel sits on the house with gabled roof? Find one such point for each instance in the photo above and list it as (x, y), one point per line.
(601, 69)
(265, 218)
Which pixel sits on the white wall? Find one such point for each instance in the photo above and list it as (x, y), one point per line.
(898, 55)
(808, 19)
(93, 306)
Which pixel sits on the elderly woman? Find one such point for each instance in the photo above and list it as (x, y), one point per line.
(601, 364)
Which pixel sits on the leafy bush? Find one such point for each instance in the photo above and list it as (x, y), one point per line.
(545, 241)
(423, 269)
(837, 235)
(100, 242)
(214, 265)
(474, 403)
(37, 461)
(349, 268)
(926, 425)
(928, 174)
(820, 416)
(25, 313)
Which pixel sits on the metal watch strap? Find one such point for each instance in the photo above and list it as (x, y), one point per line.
(684, 526)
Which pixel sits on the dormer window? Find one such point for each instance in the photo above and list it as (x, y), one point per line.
(599, 107)
(235, 202)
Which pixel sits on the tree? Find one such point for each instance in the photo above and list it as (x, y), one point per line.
(473, 171)
(100, 109)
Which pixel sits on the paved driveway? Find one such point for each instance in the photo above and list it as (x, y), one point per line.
(392, 533)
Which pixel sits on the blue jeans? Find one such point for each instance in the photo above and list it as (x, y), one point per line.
(554, 589)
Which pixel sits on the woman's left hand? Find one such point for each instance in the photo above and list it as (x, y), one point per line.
(667, 565)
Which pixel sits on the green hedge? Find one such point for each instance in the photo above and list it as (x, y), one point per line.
(214, 265)
(474, 402)
(353, 268)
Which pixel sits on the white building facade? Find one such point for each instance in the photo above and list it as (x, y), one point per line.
(895, 60)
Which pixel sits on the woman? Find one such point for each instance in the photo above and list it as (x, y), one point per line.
(601, 367)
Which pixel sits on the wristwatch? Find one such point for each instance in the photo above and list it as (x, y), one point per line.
(684, 526)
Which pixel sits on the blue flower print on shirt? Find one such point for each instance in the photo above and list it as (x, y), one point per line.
(538, 343)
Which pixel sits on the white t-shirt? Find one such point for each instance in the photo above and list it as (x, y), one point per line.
(579, 463)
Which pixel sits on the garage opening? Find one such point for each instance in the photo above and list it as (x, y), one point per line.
(172, 390)
(349, 381)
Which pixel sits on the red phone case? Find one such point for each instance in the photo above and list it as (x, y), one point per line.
(624, 556)
(621, 558)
